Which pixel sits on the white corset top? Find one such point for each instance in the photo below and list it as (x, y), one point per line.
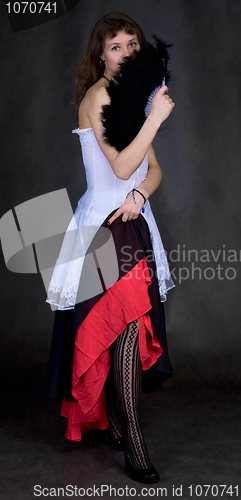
(105, 193)
(99, 174)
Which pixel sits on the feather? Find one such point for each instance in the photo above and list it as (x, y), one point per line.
(131, 91)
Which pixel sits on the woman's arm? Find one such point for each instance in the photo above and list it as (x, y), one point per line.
(125, 163)
(132, 206)
(154, 175)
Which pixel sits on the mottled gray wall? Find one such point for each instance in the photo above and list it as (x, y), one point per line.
(197, 206)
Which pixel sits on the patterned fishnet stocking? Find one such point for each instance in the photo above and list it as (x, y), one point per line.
(111, 406)
(125, 384)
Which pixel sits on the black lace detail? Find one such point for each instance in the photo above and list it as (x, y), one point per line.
(127, 372)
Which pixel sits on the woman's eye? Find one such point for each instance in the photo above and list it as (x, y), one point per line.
(113, 48)
(132, 44)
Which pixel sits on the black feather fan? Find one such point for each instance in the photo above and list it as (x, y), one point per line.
(136, 82)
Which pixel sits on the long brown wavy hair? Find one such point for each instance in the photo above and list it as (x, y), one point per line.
(89, 70)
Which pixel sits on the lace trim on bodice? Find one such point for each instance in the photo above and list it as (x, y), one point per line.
(86, 136)
(141, 172)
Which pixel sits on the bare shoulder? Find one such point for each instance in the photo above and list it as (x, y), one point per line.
(94, 99)
(97, 95)
(90, 106)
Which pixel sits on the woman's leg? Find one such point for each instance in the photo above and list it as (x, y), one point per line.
(127, 370)
(111, 407)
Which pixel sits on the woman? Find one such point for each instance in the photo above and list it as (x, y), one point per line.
(107, 340)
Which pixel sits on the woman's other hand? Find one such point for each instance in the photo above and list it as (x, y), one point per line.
(130, 209)
(161, 106)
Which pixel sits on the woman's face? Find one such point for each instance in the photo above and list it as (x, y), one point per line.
(115, 49)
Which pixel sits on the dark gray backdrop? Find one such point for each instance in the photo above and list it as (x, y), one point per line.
(197, 206)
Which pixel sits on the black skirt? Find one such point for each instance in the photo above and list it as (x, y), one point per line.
(132, 235)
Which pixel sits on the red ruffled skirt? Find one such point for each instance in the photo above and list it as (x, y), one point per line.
(135, 295)
(121, 304)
